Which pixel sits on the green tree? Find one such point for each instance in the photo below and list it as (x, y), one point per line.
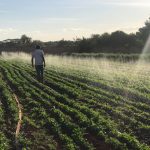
(25, 39)
(118, 39)
(84, 45)
(144, 32)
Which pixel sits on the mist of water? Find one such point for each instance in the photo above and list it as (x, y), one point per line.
(140, 71)
(114, 72)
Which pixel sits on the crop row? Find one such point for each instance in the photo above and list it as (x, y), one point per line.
(69, 144)
(122, 114)
(70, 103)
(8, 116)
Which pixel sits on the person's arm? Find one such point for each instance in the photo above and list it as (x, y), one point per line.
(43, 60)
(32, 60)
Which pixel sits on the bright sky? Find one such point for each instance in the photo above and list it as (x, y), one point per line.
(49, 20)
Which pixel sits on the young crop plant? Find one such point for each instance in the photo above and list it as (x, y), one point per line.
(75, 108)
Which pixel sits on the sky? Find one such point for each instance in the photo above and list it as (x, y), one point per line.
(50, 20)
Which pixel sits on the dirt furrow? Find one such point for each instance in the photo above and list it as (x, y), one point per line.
(20, 114)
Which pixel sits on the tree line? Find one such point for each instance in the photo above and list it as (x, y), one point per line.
(115, 42)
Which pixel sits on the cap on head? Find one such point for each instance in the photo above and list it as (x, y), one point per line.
(38, 47)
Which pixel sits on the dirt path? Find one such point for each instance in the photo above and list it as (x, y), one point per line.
(19, 121)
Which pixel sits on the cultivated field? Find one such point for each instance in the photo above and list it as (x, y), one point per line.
(84, 103)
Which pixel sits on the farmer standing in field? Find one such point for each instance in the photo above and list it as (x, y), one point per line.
(38, 55)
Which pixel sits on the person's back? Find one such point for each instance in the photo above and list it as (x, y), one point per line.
(38, 56)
